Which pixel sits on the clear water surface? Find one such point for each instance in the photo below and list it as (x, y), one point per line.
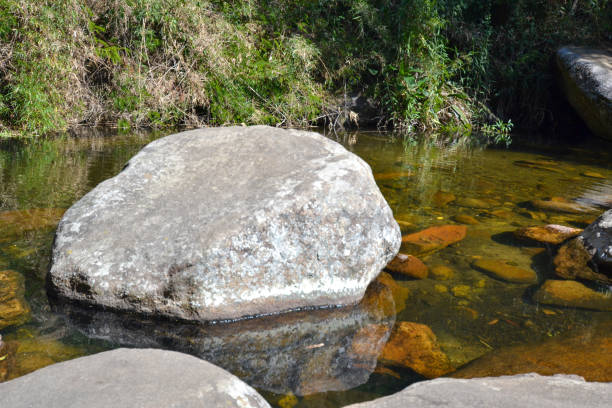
(330, 357)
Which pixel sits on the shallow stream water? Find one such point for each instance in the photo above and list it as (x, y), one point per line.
(324, 358)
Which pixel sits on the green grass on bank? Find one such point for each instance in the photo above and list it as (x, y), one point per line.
(450, 66)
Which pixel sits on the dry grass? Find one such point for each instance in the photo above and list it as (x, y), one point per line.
(147, 64)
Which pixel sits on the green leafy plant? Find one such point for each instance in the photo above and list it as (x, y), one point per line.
(498, 132)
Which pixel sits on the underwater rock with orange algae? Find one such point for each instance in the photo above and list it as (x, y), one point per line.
(376, 298)
(19, 221)
(465, 219)
(433, 239)
(14, 309)
(547, 234)
(441, 198)
(560, 206)
(504, 270)
(415, 346)
(22, 352)
(588, 355)
(569, 293)
(409, 266)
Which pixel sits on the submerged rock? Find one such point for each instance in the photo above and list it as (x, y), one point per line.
(573, 294)
(288, 401)
(400, 295)
(223, 223)
(465, 219)
(473, 203)
(301, 352)
(588, 354)
(462, 291)
(560, 206)
(506, 271)
(433, 239)
(14, 309)
(34, 353)
(413, 345)
(589, 256)
(547, 234)
(460, 351)
(29, 350)
(442, 272)
(408, 265)
(586, 79)
(502, 213)
(441, 198)
(19, 221)
(131, 378)
(593, 174)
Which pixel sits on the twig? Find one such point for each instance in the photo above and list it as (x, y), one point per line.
(484, 342)
(270, 105)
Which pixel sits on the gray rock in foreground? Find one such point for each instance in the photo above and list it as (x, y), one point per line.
(526, 390)
(223, 223)
(586, 79)
(130, 378)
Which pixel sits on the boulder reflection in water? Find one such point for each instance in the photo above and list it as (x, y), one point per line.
(303, 352)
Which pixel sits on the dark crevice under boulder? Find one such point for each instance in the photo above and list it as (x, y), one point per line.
(223, 223)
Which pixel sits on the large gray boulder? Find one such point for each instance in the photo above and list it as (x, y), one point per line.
(519, 391)
(586, 79)
(222, 223)
(136, 378)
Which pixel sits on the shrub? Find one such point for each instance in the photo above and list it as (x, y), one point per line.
(443, 65)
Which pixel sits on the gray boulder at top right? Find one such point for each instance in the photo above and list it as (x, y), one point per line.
(586, 79)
